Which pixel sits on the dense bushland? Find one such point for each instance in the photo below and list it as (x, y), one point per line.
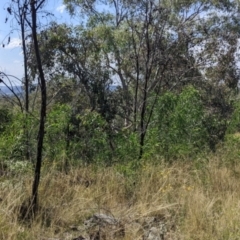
(180, 128)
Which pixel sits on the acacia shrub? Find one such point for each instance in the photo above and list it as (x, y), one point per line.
(177, 129)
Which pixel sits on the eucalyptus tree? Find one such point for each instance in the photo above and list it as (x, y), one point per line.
(76, 77)
(147, 48)
(26, 15)
(154, 46)
(69, 54)
(218, 58)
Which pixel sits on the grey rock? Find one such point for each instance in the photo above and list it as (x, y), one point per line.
(153, 234)
(154, 228)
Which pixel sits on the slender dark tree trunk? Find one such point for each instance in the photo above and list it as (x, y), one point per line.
(142, 122)
(148, 66)
(43, 109)
(67, 137)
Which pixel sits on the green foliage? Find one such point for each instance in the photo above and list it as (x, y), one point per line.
(216, 127)
(127, 146)
(13, 139)
(16, 167)
(5, 119)
(234, 123)
(230, 147)
(57, 124)
(178, 125)
(93, 138)
(82, 137)
(145, 50)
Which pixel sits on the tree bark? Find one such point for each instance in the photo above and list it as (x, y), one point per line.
(41, 131)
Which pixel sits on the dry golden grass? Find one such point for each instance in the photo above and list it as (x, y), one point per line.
(194, 202)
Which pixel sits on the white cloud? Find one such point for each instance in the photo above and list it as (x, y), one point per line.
(61, 8)
(15, 42)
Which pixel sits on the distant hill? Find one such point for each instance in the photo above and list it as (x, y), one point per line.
(5, 91)
(18, 90)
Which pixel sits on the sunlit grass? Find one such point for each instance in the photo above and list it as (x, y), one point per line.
(195, 202)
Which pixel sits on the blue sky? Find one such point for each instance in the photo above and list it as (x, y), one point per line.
(11, 59)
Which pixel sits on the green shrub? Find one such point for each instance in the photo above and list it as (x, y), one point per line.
(178, 128)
